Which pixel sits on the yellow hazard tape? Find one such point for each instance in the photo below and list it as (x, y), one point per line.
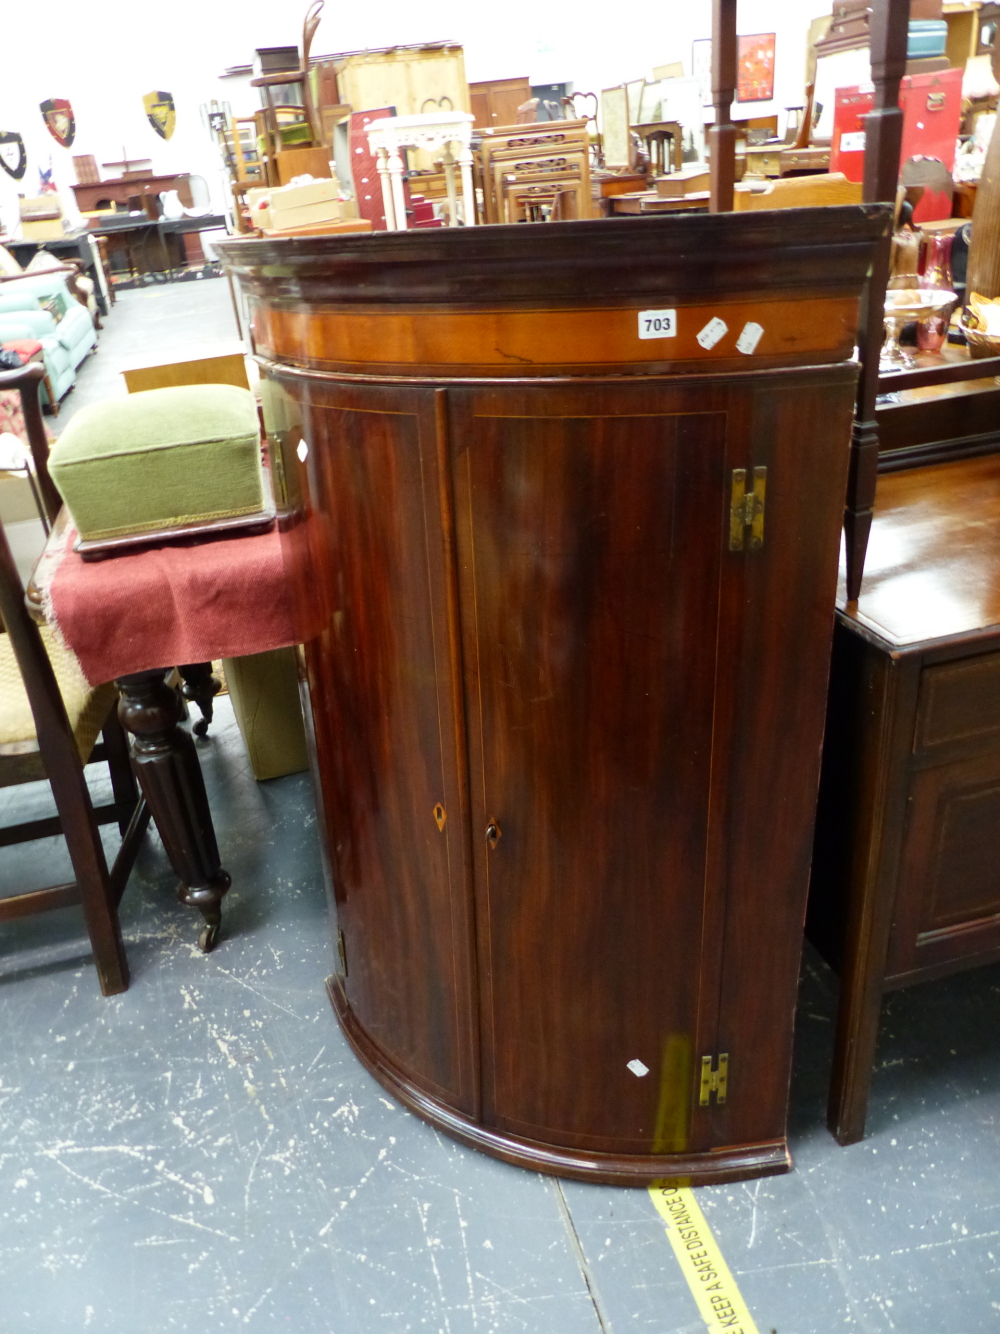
(719, 1300)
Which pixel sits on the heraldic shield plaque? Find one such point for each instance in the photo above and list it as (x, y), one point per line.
(13, 158)
(58, 115)
(161, 113)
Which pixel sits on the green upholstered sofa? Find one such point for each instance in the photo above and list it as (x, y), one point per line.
(65, 342)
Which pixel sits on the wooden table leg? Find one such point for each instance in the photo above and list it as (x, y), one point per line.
(873, 715)
(166, 764)
(200, 687)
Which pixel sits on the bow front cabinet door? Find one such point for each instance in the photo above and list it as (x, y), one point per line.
(565, 590)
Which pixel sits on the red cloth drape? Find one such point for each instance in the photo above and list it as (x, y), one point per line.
(182, 602)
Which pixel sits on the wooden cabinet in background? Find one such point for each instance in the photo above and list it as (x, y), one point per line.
(407, 78)
(495, 102)
(129, 191)
(564, 576)
(905, 881)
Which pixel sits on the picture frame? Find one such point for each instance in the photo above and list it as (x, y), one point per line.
(615, 127)
(755, 67)
(650, 98)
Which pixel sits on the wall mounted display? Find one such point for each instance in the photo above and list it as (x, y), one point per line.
(160, 112)
(755, 70)
(13, 158)
(59, 119)
(701, 68)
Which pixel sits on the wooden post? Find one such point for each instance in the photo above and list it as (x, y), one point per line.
(983, 275)
(883, 142)
(722, 135)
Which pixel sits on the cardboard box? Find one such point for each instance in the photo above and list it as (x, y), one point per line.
(46, 229)
(41, 218)
(302, 205)
(259, 217)
(39, 208)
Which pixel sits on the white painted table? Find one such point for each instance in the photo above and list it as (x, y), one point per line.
(439, 131)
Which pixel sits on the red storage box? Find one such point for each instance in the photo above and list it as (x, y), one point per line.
(932, 110)
(932, 113)
(847, 147)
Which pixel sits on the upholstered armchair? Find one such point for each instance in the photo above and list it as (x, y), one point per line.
(62, 325)
(45, 276)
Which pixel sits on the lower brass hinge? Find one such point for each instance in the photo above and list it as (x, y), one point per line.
(341, 951)
(714, 1081)
(746, 509)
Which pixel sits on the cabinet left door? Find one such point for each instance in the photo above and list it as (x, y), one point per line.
(371, 562)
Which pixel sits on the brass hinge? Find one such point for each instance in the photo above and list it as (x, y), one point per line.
(714, 1081)
(746, 509)
(341, 951)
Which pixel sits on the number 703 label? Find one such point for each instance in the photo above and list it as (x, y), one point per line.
(657, 323)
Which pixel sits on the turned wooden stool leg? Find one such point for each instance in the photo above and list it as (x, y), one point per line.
(200, 687)
(166, 764)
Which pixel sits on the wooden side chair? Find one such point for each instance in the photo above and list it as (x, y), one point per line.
(50, 721)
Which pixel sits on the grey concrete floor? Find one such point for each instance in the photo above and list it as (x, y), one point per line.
(205, 1152)
(146, 326)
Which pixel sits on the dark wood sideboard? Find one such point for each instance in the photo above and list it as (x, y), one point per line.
(566, 598)
(905, 885)
(124, 190)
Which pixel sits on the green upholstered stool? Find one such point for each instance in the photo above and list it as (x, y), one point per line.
(185, 458)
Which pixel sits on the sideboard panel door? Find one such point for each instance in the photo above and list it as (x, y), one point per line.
(383, 683)
(590, 553)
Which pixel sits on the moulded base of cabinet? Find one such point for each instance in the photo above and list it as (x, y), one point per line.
(712, 1167)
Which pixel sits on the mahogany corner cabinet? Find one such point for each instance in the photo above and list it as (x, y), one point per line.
(561, 510)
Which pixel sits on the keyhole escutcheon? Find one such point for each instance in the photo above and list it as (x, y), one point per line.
(493, 833)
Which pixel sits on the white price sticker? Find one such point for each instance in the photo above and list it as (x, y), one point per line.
(712, 332)
(853, 142)
(657, 323)
(749, 337)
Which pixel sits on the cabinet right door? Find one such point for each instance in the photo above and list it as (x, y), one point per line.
(640, 833)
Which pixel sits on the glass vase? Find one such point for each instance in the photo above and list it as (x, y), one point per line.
(933, 331)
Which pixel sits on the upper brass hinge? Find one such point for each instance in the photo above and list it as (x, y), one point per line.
(714, 1081)
(746, 509)
(341, 951)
